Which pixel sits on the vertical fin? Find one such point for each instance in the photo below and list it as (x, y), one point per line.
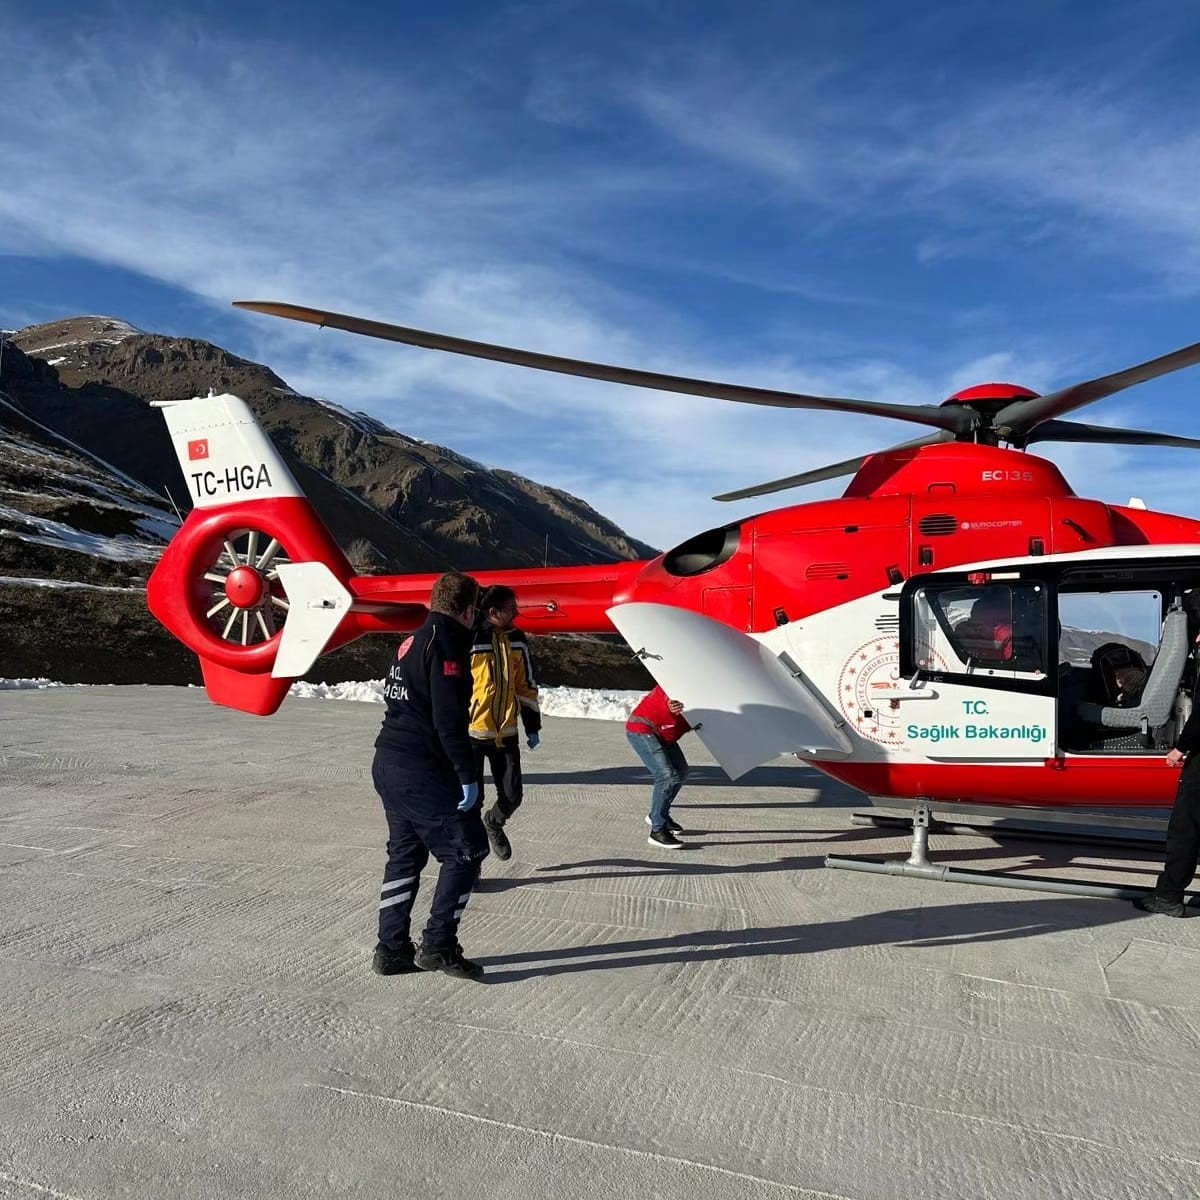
(258, 694)
(223, 453)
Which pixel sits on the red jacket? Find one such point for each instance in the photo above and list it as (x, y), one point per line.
(653, 716)
(988, 638)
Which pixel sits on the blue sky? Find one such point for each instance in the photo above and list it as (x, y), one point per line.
(889, 202)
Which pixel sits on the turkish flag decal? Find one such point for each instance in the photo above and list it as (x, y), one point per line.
(198, 449)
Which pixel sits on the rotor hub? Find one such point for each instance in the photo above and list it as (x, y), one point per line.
(245, 587)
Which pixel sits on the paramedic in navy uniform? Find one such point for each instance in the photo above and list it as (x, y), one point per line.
(1183, 829)
(424, 772)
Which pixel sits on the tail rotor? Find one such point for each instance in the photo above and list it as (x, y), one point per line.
(249, 601)
(222, 585)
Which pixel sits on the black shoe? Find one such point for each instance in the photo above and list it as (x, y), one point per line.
(673, 826)
(449, 960)
(664, 839)
(501, 846)
(394, 962)
(1152, 902)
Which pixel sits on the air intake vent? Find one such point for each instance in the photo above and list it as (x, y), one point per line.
(704, 552)
(889, 623)
(828, 571)
(938, 525)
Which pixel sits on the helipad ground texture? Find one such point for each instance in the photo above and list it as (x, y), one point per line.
(187, 907)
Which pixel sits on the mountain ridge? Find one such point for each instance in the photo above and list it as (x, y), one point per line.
(89, 482)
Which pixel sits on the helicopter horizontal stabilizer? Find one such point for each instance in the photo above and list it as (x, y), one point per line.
(318, 603)
(745, 704)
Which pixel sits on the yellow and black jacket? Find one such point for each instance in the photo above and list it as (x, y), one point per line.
(502, 685)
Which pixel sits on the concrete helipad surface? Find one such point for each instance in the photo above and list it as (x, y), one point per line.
(186, 921)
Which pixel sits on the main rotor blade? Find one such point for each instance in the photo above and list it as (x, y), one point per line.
(847, 467)
(1074, 431)
(1022, 415)
(953, 418)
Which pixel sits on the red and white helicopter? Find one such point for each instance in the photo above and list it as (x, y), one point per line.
(846, 632)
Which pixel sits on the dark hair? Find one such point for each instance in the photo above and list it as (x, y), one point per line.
(453, 593)
(496, 596)
(1122, 671)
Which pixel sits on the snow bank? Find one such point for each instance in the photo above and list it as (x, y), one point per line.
(556, 701)
(30, 581)
(591, 703)
(56, 534)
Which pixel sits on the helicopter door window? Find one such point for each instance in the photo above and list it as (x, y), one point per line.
(988, 632)
(1108, 652)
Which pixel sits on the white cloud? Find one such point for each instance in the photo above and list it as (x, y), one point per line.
(1072, 157)
(232, 169)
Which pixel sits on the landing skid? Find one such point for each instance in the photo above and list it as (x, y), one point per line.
(923, 822)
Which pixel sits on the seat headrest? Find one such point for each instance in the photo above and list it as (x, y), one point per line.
(1114, 655)
(1121, 669)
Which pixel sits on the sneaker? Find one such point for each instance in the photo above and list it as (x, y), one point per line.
(501, 846)
(1152, 902)
(394, 962)
(673, 826)
(449, 960)
(664, 839)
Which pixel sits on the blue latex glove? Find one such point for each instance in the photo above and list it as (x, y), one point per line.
(532, 743)
(470, 797)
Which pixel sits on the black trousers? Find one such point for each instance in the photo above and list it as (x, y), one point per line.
(505, 761)
(1183, 834)
(423, 819)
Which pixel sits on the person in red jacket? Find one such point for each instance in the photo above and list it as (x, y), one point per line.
(654, 729)
(987, 634)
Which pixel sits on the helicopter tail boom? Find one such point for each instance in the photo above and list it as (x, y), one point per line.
(256, 586)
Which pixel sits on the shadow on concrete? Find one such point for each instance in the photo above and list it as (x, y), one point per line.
(1020, 858)
(1031, 857)
(913, 928)
(678, 862)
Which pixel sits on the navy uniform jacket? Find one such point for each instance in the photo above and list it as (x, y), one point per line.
(1188, 738)
(428, 692)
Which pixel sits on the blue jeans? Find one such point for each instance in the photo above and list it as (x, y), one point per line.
(669, 768)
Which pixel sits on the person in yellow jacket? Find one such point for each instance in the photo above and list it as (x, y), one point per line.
(503, 693)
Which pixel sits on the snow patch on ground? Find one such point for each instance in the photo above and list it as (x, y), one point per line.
(157, 527)
(591, 703)
(55, 533)
(132, 483)
(30, 581)
(360, 421)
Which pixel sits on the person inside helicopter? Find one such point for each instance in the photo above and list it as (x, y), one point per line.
(1133, 706)
(1118, 675)
(1004, 630)
(986, 636)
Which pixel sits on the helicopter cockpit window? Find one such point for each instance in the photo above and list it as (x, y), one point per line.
(994, 629)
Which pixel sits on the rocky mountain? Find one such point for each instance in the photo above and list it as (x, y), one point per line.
(88, 481)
